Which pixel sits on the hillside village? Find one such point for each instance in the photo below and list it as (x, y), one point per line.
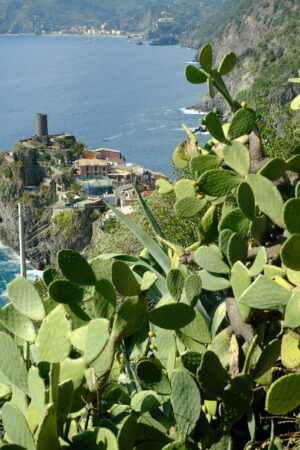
(83, 178)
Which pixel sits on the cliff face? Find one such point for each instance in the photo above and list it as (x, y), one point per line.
(264, 35)
(22, 179)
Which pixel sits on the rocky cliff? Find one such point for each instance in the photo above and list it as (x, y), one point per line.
(23, 178)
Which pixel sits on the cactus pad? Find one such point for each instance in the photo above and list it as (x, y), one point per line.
(237, 398)
(259, 263)
(127, 433)
(258, 229)
(205, 57)
(105, 299)
(246, 200)
(17, 323)
(214, 126)
(172, 316)
(16, 427)
(240, 279)
(175, 283)
(265, 294)
(267, 198)
(145, 401)
(284, 394)
(124, 279)
(236, 155)
(164, 187)
(151, 374)
(273, 169)
(25, 298)
(267, 359)
(186, 401)
(218, 182)
(178, 161)
(211, 376)
(12, 364)
(235, 221)
(290, 252)
(192, 288)
(129, 318)
(293, 163)
(197, 329)
(290, 352)
(237, 249)
(213, 282)
(191, 361)
(37, 391)
(241, 123)
(64, 291)
(184, 188)
(96, 338)
(201, 163)
(75, 268)
(49, 275)
(194, 75)
(189, 206)
(291, 215)
(52, 343)
(292, 311)
(210, 258)
(224, 238)
(246, 95)
(227, 64)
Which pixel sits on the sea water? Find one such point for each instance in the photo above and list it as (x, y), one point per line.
(108, 92)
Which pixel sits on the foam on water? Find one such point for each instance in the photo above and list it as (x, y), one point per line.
(192, 111)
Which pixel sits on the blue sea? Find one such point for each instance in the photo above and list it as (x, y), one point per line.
(108, 92)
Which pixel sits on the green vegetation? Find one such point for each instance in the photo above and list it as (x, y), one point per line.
(202, 351)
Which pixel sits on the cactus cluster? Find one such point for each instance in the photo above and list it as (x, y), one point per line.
(93, 366)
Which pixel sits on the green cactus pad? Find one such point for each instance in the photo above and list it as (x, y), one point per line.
(297, 190)
(78, 337)
(172, 316)
(72, 369)
(192, 288)
(177, 445)
(105, 299)
(184, 188)
(211, 376)
(96, 338)
(237, 249)
(129, 318)
(145, 401)
(189, 206)
(188, 148)
(218, 182)
(246, 200)
(290, 252)
(292, 275)
(102, 268)
(37, 391)
(148, 281)
(191, 361)
(237, 398)
(64, 403)
(52, 343)
(273, 169)
(197, 329)
(124, 279)
(127, 433)
(236, 155)
(235, 221)
(175, 283)
(291, 215)
(186, 401)
(95, 438)
(290, 352)
(259, 263)
(258, 229)
(292, 311)
(205, 57)
(227, 64)
(208, 229)
(267, 198)
(271, 271)
(246, 95)
(265, 294)
(284, 394)
(220, 345)
(25, 298)
(16, 427)
(17, 323)
(75, 268)
(210, 87)
(103, 364)
(164, 340)
(164, 187)
(224, 238)
(214, 126)
(151, 374)
(213, 282)
(50, 275)
(178, 161)
(201, 163)
(267, 359)
(64, 291)
(194, 75)
(240, 279)
(293, 163)
(12, 364)
(241, 123)
(210, 258)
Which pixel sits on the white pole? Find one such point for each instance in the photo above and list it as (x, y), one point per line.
(22, 243)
